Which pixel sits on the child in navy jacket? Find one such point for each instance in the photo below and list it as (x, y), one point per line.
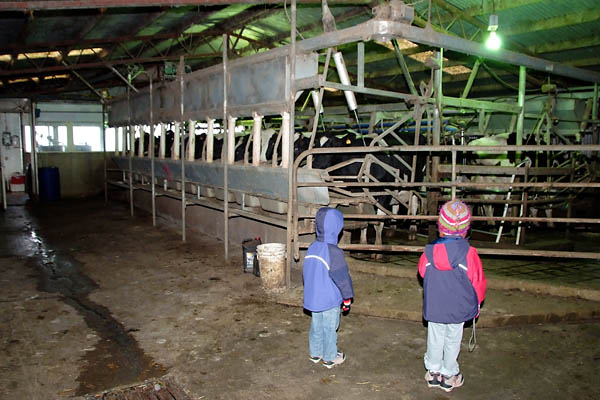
(453, 288)
(327, 286)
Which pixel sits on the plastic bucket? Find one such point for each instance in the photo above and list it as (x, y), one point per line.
(249, 255)
(49, 181)
(271, 258)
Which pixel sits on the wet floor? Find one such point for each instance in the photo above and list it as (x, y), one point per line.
(83, 282)
(117, 358)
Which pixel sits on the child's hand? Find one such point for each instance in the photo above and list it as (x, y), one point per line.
(346, 306)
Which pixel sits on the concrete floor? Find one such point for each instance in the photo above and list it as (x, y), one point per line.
(94, 300)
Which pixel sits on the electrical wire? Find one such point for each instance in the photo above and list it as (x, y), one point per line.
(503, 82)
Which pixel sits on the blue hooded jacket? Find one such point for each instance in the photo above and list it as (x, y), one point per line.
(326, 278)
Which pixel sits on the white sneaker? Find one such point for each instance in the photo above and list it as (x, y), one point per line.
(340, 358)
(314, 359)
(450, 382)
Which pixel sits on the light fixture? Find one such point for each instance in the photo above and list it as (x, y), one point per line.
(493, 41)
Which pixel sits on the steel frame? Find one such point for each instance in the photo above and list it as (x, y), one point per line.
(382, 29)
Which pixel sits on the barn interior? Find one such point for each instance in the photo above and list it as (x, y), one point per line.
(163, 161)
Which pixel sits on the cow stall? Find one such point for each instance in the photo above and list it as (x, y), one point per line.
(394, 159)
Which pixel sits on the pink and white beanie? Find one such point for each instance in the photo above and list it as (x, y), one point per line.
(455, 219)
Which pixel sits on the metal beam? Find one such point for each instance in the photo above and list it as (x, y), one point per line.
(432, 38)
(308, 27)
(100, 64)
(404, 67)
(82, 79)
(80, 4)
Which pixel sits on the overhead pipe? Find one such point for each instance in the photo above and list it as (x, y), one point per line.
(314, 94)
(340, 66)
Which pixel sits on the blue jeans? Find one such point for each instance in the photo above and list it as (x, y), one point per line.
(443, 346)
(322, 337)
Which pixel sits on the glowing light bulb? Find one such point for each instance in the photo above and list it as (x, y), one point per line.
(493, 42)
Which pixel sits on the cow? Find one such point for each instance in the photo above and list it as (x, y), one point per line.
(507, 159)
(375, 167)
(136, 145)
(198, 146)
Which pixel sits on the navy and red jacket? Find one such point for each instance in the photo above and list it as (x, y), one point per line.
(453, 281)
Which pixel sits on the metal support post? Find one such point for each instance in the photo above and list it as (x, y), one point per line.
(34, 159)
(437, 116)
(521, 103)
(225, 144)
(595, 129)
(318, 108)
(151, 147)
(595, 103)
(104, 153)
(3, 193)
(181, 72)
(130, 133)
(360, 63)
(405, 71)
(472, 76)
(292, 200)
(130, 147)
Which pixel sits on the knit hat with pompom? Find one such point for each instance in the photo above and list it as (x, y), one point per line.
(455, 219)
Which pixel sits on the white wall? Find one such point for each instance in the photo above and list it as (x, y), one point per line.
(10, 145)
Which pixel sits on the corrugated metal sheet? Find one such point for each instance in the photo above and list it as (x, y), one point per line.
(565, 33)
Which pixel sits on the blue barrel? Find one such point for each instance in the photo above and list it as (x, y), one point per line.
(49, 180)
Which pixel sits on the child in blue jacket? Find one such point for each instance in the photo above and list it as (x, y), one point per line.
(327, 286)
(453, 288)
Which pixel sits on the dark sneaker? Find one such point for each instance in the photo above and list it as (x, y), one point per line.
(314, 359)
(340, 358)
(450, 382)
(433, 379)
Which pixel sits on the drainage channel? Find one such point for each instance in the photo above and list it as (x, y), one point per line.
(117, 359)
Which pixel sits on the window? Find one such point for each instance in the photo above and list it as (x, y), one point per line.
(120, 138)
(48, 138)
(110, 139)
(87, 138)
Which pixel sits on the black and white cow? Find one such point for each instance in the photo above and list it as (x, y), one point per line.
(373, 167)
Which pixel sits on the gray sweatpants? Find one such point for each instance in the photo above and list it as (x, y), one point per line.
(443, 346)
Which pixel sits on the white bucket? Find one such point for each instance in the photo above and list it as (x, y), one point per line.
(271, 260)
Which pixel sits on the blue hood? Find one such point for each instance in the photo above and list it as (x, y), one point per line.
(330, 223)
